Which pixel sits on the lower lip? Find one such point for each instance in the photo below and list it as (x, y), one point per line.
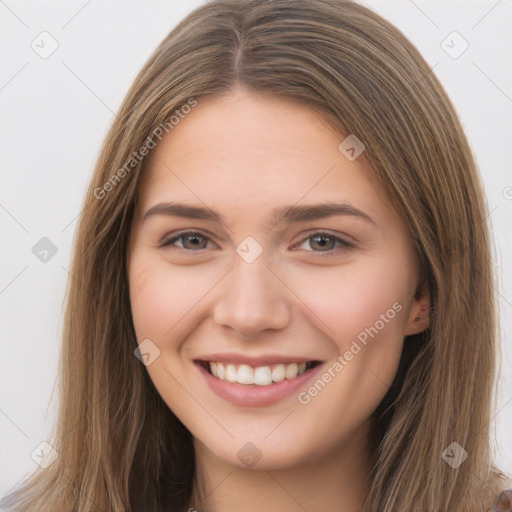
(254, 395)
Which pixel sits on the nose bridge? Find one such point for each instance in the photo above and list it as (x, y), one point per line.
(253, 298)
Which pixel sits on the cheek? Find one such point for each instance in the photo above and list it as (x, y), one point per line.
(364, 300)
(361, 308)
(167, 300)
(161, 297)
(158, 297)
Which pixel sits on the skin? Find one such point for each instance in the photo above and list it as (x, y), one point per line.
(242, 155)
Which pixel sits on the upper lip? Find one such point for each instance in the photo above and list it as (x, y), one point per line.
(253, 361)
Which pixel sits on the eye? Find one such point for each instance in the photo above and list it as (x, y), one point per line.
(191, 240)
(196, 241)
(326, 242)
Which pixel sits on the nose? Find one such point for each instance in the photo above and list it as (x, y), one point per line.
(252, 298)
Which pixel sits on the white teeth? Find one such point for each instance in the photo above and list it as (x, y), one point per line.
(278, 373)
(291, 371)
(231, 373)
(260, 376)
(245, 375)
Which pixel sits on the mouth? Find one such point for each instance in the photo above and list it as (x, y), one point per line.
(267, 375)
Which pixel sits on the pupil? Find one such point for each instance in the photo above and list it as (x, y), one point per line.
(322, 240)
(194, 239)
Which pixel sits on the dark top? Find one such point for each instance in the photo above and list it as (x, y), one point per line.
(503, 502)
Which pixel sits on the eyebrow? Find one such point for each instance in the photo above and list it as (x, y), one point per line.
(289, 214)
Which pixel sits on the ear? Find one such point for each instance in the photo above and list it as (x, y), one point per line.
(419, 314)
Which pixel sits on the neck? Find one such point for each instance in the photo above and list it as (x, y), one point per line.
(334, 481)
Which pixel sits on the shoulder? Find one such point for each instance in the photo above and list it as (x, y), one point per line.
(503, 502)
(499, 497)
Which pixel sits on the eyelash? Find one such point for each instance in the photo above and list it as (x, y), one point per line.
(343, 244)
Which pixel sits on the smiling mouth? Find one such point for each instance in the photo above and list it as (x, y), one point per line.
(259, 375)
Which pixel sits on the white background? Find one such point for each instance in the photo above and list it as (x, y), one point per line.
(54, 114)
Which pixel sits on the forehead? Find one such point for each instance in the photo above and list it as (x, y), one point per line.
(248, 128)
(250, 151)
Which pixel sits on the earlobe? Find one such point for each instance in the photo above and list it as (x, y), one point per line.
(419, 315)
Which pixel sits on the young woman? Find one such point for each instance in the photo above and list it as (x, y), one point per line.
(282, 290)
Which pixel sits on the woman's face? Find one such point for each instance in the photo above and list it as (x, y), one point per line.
(221, 279)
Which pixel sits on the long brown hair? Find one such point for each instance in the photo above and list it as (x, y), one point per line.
(119, 446)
